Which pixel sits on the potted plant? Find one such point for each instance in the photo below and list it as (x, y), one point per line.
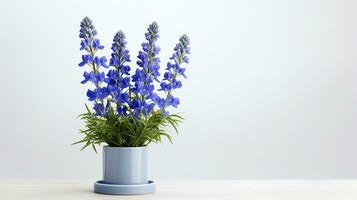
(130, 107)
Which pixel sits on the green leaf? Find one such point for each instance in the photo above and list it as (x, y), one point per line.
(126, 131)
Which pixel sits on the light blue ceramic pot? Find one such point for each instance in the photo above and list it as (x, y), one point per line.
(125, 165)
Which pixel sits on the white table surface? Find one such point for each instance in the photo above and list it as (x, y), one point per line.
(189, 189)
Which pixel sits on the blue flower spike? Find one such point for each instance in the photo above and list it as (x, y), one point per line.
(123, 90)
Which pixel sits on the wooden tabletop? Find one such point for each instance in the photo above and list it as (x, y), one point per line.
(189, 189)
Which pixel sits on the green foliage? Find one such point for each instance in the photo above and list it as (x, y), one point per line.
(127, 131)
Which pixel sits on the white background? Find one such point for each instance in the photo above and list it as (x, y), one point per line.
(271, 92)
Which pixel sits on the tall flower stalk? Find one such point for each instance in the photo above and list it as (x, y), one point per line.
(127, 110)
(174, 71)
(148, 71)
(118, 79)
(90, 44)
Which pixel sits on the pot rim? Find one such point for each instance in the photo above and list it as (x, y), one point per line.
(109, 147)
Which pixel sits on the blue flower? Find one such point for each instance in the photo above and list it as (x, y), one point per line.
(165, 86)
(145, 46)
(185, 59)
(181, 71)
(86, 59)
(102, 92)
(124, 82)
(125, 69)
(176, 84)
(122, 110)
(112, 77)
(140, 107)
(182, 47)
(158, 100)
(84, 44)
(120, 54)
(143, 89)
(87, 30)
(114, 91)
(92, 77)
(99, 109)
(140, 76)
(96, 44)
(136, 103)
(149, 107)
(92, 95)
(137, 106)
(99, 93)
(122, 98)
(172, 101)
(101, 61)
(167, 76)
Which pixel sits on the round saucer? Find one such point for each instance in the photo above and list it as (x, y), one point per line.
(107, 188)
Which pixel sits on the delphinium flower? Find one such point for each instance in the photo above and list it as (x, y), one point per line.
(128, 109)
(118, 79)
(173, 71)
(148, 71)
(90, 44)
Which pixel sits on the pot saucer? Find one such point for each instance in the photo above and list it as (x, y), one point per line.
(107, 188)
